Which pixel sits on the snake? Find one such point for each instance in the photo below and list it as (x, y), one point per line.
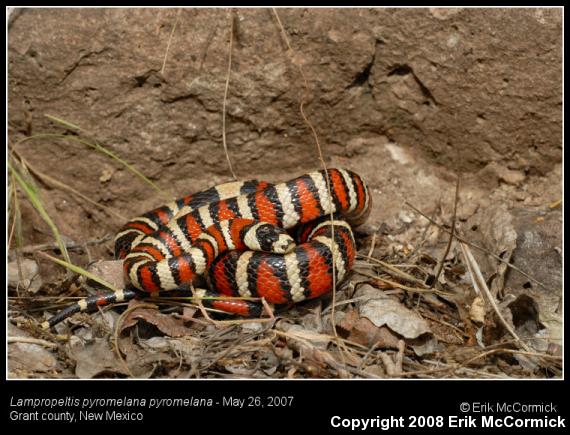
(248, 239)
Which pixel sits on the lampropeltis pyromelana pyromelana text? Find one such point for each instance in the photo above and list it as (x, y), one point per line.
(168, 247)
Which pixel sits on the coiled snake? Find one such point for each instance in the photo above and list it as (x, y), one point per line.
(236, 235)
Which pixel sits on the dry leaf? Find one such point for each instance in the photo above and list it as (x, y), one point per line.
(425, 345)
(383, 310)
(166, 323)
(95, 358)
(537, 253)
(28, 357)
(477, 310)
(494, 230)
(363, 331)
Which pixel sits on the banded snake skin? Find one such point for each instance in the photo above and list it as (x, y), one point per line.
(236, 236)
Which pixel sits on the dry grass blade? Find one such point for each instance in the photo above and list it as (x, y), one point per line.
(555, 204)
(15, 228)
(481, 287)
(30, 249)
(79, 270)
(63, 122)
(32, 195)
(16, 225)
(226, 97)
(95, 146)
(50, 180)
(169, 42)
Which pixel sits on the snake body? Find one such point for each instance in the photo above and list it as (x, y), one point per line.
(235, 235)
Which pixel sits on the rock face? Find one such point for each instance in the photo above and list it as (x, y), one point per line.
(460, 88)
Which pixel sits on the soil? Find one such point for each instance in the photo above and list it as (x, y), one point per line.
(410, 99)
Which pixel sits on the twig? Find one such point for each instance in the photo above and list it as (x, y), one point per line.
(331, 338)
(365, 357)
(405, 287)
(344, 302)
(31, 340)
(451, 235)
(395, 271)
(443, 322)
(394, 367)
(372, 245)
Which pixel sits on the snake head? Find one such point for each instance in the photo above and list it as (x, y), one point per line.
(269, 238)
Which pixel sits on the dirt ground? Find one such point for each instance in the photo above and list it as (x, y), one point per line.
(411, 99)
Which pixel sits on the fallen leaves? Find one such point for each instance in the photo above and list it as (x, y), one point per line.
(165, 323)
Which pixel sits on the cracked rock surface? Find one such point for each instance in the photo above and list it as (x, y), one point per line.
(471, 91)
